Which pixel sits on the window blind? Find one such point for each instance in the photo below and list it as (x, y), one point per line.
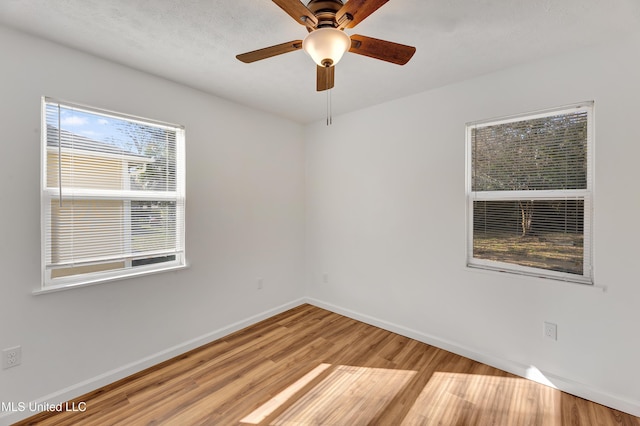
(113, 193)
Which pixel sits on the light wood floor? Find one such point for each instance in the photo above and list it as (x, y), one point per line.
(311, 366)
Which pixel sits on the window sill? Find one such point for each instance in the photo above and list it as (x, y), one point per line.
(69, 286)
(498, 271)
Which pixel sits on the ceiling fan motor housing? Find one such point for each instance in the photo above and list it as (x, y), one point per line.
(325, 12)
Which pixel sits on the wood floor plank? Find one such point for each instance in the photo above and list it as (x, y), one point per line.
(368, 376)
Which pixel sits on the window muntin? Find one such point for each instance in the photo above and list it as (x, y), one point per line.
(529, 194)
(113, 206)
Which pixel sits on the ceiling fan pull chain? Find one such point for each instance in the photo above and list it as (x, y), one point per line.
(327, 107)
(330, 107)
(329, 112)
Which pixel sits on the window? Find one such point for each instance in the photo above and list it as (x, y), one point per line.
(113, 195)
(529, 194)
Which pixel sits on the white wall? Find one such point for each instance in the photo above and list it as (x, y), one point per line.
(386, 224)
(245, 213)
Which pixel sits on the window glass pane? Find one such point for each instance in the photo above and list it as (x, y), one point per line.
(88, 269)
(78, 171)
(153, 260)
(153, 226)
(540, 154)
(115, 146)
(87, 231)
(159, 145)
(540, 234)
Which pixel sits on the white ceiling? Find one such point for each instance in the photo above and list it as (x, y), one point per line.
(194, 42)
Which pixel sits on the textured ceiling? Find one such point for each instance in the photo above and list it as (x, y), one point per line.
(194, 42)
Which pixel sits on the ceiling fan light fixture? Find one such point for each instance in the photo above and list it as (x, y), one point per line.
(326, 45)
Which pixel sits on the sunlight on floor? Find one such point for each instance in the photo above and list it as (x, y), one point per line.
(454, 398)
(347, 396)
(274, 403)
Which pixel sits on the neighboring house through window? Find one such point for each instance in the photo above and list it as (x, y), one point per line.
(529, 194)
(113, 195)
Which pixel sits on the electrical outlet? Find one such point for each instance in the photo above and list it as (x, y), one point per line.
(11, 357)
(260, 283)
(551, 330)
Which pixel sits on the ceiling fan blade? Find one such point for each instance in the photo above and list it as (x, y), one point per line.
(326, 77)
(381, 49)
(358, 10)
(268, 52)
(298, 11)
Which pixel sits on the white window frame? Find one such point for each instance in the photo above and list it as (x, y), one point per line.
(49, 284)
(586, 195)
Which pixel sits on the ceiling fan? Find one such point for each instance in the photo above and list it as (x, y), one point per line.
(327, 42)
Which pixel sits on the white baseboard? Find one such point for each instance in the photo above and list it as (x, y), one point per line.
(529, 372)
(97, 382)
